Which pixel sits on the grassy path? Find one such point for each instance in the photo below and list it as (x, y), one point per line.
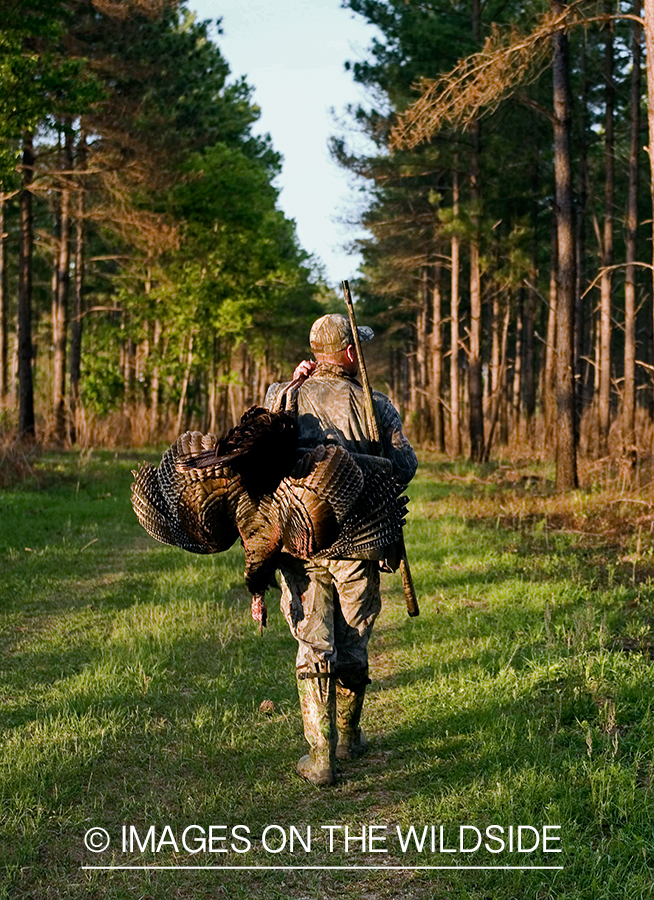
(131, 680)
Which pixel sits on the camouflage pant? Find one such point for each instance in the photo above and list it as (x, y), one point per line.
(331, 609)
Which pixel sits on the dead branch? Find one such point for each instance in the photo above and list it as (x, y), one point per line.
(610, 269)
(508, 60)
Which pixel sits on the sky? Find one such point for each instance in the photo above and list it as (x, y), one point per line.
(293, 53)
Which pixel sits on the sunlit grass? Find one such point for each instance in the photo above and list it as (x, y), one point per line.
(132, 678)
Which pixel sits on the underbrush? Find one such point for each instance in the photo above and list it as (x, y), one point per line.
(17, 460)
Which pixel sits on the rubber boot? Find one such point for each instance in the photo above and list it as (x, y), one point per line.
(351, 739)
(318, 705)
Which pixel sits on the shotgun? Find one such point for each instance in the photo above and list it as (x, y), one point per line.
(412, 607)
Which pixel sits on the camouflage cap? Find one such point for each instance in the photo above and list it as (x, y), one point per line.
(331, 334)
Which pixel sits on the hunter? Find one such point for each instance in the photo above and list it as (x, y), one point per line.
(331, 607)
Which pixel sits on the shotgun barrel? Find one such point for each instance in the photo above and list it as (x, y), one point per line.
(373, 430)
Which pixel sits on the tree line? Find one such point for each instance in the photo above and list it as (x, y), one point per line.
(506, 202)
(148, 279)
(147, 275)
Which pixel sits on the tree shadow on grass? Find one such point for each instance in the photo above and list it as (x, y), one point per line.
(470, 749)
(237, 666)
(113, 582)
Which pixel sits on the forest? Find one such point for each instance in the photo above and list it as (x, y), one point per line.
(149, 281)
(509, 246)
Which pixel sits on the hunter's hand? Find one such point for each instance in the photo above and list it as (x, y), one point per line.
(304, 370)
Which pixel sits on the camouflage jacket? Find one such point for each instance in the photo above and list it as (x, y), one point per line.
(330, 410)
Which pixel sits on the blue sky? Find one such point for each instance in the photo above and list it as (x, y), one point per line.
(293, 53)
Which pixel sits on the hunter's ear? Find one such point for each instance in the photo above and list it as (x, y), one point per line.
(350, 353)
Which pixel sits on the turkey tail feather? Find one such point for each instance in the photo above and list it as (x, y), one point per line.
(337, 505)
(186, 508)
(154, 514)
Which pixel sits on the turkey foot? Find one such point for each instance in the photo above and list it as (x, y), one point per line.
(259, 611)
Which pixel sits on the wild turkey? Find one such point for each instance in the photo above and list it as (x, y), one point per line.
(320, 504)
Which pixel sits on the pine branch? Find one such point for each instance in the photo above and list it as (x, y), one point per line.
(508, 60)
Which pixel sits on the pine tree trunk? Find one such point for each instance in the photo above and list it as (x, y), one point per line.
(649, 353)
(142, 355)
(594, 436)
(13, 370)
(549, 375)
(154, 383)
(566, 450)
(78, 320)
(128, 354)
(498, 386)
(4, 347)
(244, 361)
(455, 417)
(25, 382)
(78, 299)
(604, 399)
(582, 367)
(412, 384)
(648, 16)
(213, 392)
(516, 396)
(185, 381)
(60, 297)
(495, 350)
(233, 409)
(392, 368)
(629, 394)
(528, 381)
(437, 363)
(420, 372)
(475, 389)
(529, 374)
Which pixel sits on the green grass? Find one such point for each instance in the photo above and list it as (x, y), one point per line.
(132, 675)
